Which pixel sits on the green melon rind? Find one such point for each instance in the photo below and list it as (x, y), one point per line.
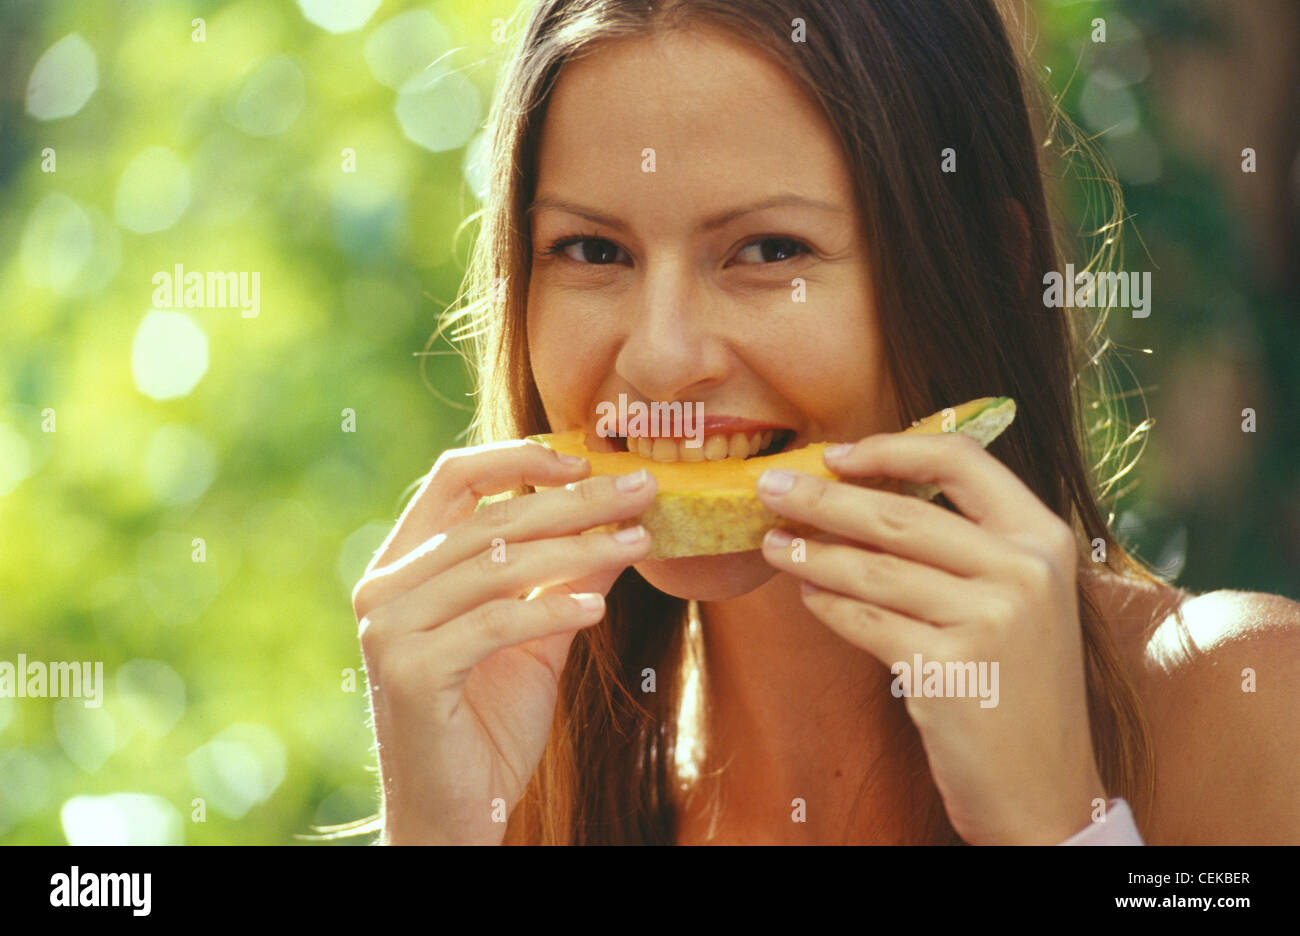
(694, 524)
(983, 426)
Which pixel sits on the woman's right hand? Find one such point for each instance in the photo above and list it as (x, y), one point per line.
(464, 672)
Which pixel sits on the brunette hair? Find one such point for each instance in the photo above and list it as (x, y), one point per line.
(958, 255)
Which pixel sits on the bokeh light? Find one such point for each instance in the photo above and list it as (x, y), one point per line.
(338, 16)
(179, 464)
(63, 80)
(150, 695)
(121, 819)
(87, 735)
(439, 109)
(238, 769)
(169, 355)
(404, 46)
(15, 458)
(153, 192)
(69, 248)
(269, 100)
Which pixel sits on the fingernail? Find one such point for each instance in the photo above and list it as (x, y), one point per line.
(839, 451)
(590, 601)
(633, 481)
(571, 461)
(777, 539)
(630, 535)
(776, 481)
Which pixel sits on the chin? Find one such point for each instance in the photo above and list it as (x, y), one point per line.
(708, 578)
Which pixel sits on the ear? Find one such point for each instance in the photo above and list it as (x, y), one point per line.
(1016, 231)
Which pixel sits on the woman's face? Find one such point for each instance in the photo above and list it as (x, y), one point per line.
(723, 262)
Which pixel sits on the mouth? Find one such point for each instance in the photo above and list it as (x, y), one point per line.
(716, 445)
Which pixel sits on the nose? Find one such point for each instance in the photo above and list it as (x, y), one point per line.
(672, 349)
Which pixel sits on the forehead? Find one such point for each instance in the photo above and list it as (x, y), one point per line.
(724, 118)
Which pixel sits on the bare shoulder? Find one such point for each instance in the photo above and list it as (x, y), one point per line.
(1219, 678)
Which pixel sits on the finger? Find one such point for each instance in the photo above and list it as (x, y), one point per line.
(462, 477)
(469, 639)
(529, 567)
(979, 485)
(466, 641)
(901, 585)
(886, 635)
(600, 581)
(894, 523)
(501, 526)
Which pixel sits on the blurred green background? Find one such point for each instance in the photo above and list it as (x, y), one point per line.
(334, 148)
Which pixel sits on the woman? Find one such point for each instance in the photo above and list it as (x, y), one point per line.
(748, 204)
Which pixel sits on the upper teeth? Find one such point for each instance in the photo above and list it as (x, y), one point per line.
(715, 447)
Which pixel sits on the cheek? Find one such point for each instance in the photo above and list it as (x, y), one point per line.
(832, 365)
(541, 354)
(565, 357)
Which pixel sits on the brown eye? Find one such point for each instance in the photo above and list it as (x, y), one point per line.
(593, 250)
(771, 250)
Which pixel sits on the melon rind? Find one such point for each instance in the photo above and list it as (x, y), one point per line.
(714, 522)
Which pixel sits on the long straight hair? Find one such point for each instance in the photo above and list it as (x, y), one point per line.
(958, 254)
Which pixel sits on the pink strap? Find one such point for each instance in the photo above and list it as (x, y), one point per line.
(1115, 828)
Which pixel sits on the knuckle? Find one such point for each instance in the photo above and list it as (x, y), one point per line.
(870, 444)
(401, 676)
(867, 615)
(1036, 571)
(361, 597)
(451, 464)
(988, 611)
(379, 555)
(500, 514)
(883, 567)
(824, 604)
(592, 490)
(816, 493)
(1001, 611)
(953, 644)
(370, 633)
(556, 608)
(494, 620)
(896, 515)
(1053, 562)
(485, 562)
(1064, 547)
(969, 445)
(595, 551)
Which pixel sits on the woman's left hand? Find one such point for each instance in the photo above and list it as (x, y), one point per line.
(994, 584)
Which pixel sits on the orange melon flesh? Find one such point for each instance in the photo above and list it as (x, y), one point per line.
(711, 507)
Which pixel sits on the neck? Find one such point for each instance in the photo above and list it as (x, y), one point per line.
(794, 711)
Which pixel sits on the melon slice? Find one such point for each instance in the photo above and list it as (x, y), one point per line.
(711, 507)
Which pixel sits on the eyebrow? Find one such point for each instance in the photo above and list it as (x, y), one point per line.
(708, 224)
